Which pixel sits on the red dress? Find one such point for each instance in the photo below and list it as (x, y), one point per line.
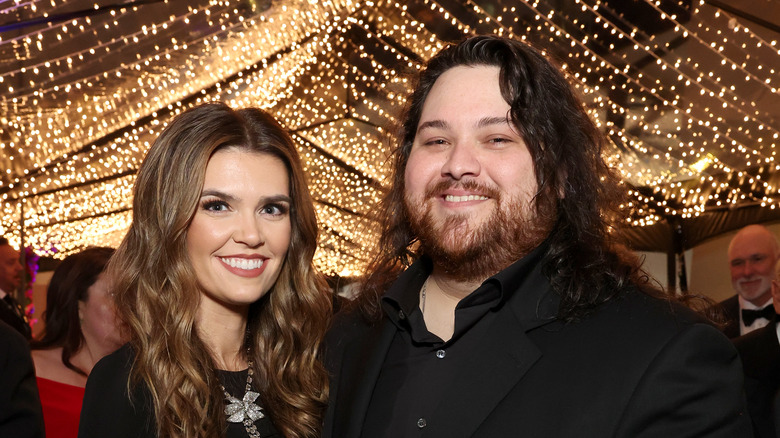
(61, 407)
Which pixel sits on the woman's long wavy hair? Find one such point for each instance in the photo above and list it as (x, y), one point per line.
(157, 292)
(70, 284)
(583, 262)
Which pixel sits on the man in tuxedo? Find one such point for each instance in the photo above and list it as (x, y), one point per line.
(10, 277)
(20, 406)
(760, 354)
(752, 253)
(499, 304)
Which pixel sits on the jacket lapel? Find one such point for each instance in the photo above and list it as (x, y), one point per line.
(494, 370)
(362, 363)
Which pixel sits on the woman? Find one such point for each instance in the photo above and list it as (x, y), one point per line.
(216, 283)
(81, 328)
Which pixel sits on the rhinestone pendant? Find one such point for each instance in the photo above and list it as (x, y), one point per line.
(239, 410)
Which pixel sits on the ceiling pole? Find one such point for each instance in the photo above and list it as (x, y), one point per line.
(671, 261)
(22, 255)
(679, 248)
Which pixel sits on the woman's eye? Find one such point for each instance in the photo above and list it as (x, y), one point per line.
(275, 209)
(499, 140)
(214, 205)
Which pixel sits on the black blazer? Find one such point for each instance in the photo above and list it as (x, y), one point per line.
(20, 405)
(109, 411)
(12, 318)
(760, 353)
(637, 367)
(730, 309)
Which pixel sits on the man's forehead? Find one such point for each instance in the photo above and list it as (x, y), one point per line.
(8, 252)
(753, 240)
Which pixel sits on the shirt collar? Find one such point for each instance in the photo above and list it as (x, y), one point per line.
(534, 303)
(745, 304)
(405, 290)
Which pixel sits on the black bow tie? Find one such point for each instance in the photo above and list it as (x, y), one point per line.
(750, 316)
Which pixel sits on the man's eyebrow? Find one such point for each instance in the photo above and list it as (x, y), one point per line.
(441, 124)
(481, 123)
(490, 121)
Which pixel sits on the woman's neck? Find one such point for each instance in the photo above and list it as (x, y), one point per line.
(223, 333)
(87, 356)
(49, 365)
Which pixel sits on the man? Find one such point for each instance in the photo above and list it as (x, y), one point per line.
(20, 405)
(760, 354)
(10, 277)
(753, 253)
(517, 317)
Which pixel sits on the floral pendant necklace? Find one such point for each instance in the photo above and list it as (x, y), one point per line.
(245, 410)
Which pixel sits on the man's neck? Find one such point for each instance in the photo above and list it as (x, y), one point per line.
(758, 303)
(454, 289)
(438, 299)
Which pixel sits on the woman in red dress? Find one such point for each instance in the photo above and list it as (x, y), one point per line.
(81, 328)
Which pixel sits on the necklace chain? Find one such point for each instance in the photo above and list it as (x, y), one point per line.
(245, 410)
(422, 298)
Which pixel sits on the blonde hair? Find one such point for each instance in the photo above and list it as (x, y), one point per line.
(156, 290)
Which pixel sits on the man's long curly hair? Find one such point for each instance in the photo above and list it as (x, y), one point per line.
(157, 293)
(584, 263)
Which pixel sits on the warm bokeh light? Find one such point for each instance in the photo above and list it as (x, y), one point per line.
(687, 105)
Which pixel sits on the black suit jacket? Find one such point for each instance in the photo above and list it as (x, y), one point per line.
(760, 353)
(730, 309)
(108, 409)
(20, 406)
(637, 367)
(12, 318)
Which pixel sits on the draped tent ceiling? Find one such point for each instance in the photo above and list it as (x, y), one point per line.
(686, 90)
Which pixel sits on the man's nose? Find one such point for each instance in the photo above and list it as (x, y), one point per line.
(750, 268)
(462, 161)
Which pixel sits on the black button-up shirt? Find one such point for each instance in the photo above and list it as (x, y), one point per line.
(419, 366)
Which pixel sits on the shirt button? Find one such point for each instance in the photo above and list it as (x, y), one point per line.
(401, 314)
(421, 423)
(440, 354)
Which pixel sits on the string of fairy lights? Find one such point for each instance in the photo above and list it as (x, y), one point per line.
(687, 105)
(702, 157)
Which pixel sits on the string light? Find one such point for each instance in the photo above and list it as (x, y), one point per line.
(83, 97)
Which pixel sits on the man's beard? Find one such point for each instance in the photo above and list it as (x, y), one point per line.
(750, 295)
(468, 253)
